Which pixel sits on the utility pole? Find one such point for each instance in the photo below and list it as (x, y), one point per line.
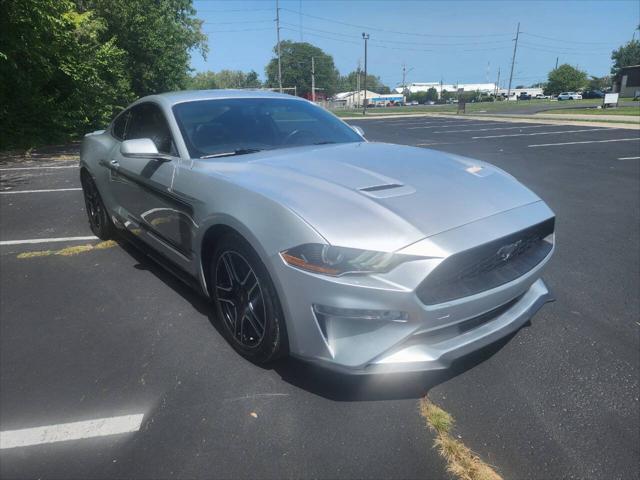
(557, 62)
(498, 83)
(440, 87)
(358, 84)
(278, 35)
(404, 76)
(313, 79)
(365, 37)
(513, 61)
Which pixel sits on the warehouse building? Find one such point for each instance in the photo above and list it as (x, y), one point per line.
(356, 99)
(449, 87)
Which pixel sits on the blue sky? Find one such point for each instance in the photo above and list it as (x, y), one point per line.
(455, 41)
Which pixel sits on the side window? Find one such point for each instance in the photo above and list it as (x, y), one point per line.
(120, 125)
(148, 121)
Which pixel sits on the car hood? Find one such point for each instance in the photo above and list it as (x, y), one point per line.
(382, 196)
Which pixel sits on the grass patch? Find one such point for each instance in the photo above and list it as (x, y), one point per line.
(633, 111)
(68, 251)
(462, 463)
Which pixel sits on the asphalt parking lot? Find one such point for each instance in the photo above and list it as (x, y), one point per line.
(106, 333)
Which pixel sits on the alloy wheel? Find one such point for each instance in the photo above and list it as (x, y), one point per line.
(93, 205)
(241, 300)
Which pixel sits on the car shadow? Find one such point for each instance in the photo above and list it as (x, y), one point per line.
(319, 381)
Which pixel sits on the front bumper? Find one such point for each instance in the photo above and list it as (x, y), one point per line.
(428, 337)
(417, 356)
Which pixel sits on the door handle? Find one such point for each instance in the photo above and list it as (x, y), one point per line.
(114, 163)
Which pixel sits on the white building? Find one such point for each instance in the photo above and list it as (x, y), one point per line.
(355, 99)
(449, 87)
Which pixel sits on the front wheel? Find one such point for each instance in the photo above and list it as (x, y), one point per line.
(99, 220)
(246, 301)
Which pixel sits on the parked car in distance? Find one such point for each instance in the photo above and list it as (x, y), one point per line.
(524, 96)
(313, 242)
(569, 96)
(542, 96)
(592, 94)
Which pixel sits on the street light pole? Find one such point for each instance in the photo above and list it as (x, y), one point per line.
(313, 80)
(278, 35)
(365, 37)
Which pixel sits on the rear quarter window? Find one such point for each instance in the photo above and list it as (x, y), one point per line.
(120, 125)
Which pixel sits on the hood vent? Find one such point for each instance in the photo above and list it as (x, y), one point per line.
(377, 188)
(387, 190)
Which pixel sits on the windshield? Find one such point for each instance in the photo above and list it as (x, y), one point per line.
(245, 125)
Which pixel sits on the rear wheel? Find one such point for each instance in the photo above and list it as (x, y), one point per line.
(246, 301)
(99, 220)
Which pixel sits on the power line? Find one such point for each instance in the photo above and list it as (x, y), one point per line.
(394, 31)
(215, 10)
(555, 50)
(378, 45)
(239, 30)
(236, 22)
(384, 40)
(321, 36)
(564, 40)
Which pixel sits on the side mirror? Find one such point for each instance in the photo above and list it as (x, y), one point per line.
(358, 130)
(141, 148)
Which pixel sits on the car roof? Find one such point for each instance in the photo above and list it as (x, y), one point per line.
(172, 98)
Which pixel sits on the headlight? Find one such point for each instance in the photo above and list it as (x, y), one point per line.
(335, 261)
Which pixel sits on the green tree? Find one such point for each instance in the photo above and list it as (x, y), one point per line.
(432, 95)
(422, 97)
(57, 76)
(565, 78)
(628, 54)
(599, 83)
(203, 81)
(157, 36)
(446, 95)
(224, 79)
(296, 68)
(67, 66)
(349, 83)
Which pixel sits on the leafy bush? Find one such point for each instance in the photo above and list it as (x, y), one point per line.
(67, 67)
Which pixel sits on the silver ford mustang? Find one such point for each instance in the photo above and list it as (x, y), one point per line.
(309, 240)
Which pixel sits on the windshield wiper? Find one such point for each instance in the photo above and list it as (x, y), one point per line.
(239, 151)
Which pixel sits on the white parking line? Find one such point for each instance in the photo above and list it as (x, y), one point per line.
(63, 432)
(545, 133)
(628, 158)
(10, 169)
(495, 128)
(11, 192)
(47, 240)
(455, 125)
(587, 141)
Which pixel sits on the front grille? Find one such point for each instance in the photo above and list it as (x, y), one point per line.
(487, 266)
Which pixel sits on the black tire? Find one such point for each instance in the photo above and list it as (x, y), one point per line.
(246, 302)
(99, 220)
